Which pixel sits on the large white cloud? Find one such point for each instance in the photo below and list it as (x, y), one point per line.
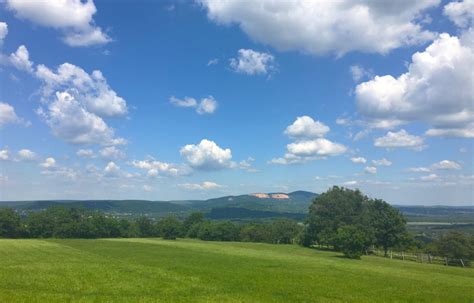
(320, 27)
(26, 155)
(437, 89)
(441, 165)
(21, 59)
(305, 127)
(207, 155)
(400, 139)
(70, 121)
(73, 17)
(251, 62)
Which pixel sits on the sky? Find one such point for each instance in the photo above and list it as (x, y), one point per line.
(197, 99)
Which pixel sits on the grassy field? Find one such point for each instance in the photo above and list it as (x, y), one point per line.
(155, 270)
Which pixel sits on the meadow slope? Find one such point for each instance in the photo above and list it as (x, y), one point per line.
(155, 270)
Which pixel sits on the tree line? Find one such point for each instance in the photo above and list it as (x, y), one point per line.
(341, 219)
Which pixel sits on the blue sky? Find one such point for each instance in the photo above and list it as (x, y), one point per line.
(191, 100)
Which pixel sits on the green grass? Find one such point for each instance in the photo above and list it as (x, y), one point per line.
(155, 270)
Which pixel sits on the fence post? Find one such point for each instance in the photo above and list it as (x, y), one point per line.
(403, 256)
(446, 261)
(462, 262)
(391, 254)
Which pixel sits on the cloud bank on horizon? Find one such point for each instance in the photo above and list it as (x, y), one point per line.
(223, 97)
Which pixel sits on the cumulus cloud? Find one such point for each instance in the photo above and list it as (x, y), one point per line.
(49, 163)
(461, 13)
(70, 121)
(8, 115)
(436, 89)
(111, 152)
(400, 139)
(207, 155)
(26, 155)
(306, 127)
(73, 17)
(382, 162)
(251, 62)
(156, 168)
(85, 153)
(21, 59)
(206, 105)
(4, 154)
(310, 26)
(370, 170)
(206, 185)
(358, 160)
(441, 165)
(358, 73)
(112, 169)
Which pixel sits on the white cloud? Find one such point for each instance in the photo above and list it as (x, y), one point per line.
(251, 62)
(70, 121)
(247, 165)
(49, 163)
(400, 139)
(185, 102)
(207, 155)
(436, 89)
(207, 185)
(461, 13)
(85, 153)
(430, 177)
(320, 27)
(156, 168)
(446, 164)
(441, 165)
(7, 114)
(305, 127)
(206, 105)
(72, 17)
(147, 188)
(111, 152)
(358, 160)
(21, 59)
(351, 183)
(3, 31)
(358, 73)
(307, 150)
(382, 162)
(26, 154)
(213, 62)
(91, 90)
(112, 169)
(4, 154)
(370, 170)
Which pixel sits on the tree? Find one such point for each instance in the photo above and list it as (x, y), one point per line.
(284, 231)
(455, 245)
(192, 219)
(255, 233)
(351, 240)
(170, 228)
(145, 227)
(333, 209)
(9, 223)
(388, 224)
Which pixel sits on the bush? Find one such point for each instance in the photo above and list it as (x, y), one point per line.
(351, 241)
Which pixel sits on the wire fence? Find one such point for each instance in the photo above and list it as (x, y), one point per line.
(422, 258)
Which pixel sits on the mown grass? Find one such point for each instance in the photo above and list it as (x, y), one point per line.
(155, 270)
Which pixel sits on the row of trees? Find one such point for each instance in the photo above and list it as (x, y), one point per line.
(61, 222)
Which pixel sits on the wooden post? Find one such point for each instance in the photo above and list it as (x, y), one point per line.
(462, 262)
(446, 261)
(403, 256)
(391, 254)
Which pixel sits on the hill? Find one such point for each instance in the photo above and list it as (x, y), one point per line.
(151, 270)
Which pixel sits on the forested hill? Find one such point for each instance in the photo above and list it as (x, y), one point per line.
(249, 206)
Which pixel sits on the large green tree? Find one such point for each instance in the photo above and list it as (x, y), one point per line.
(9, 223)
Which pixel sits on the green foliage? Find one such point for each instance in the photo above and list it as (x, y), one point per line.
(170, 228)
(351, 240)
(145, 227)
(9, 223)
(255, 233)
(218, 231)
(284, 231)
(192, 219)
(455, 245)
